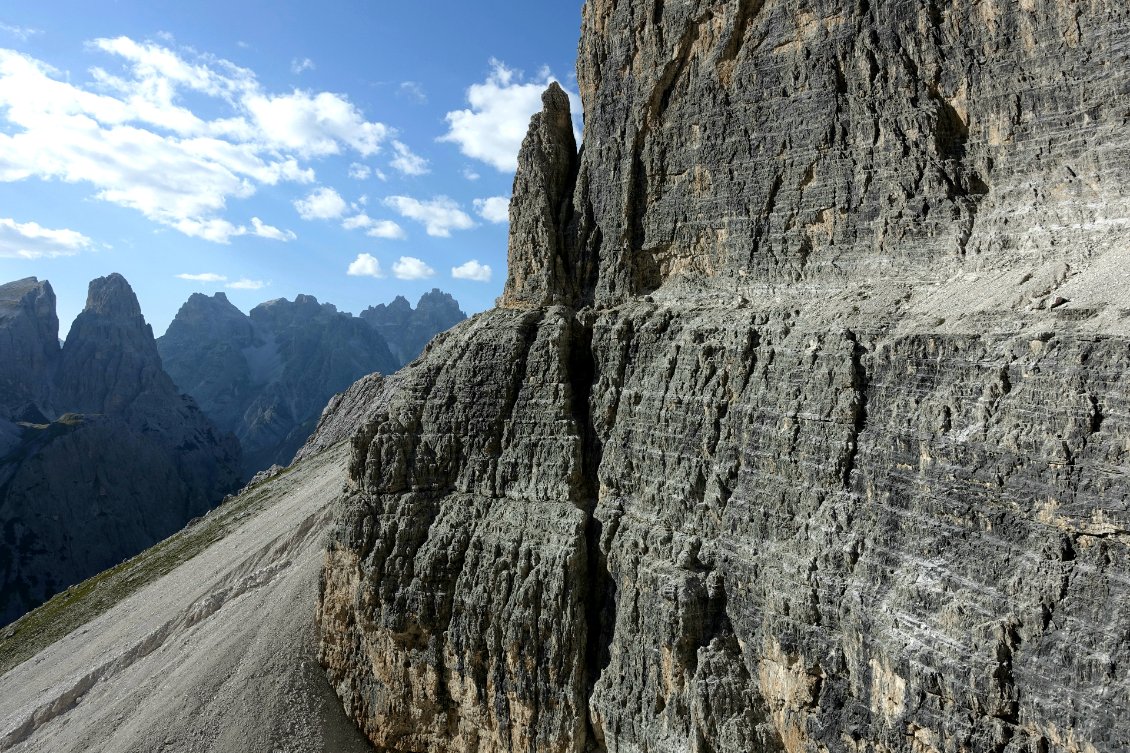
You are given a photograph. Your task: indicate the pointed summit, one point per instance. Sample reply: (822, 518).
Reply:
(110, 358)
(539, 267)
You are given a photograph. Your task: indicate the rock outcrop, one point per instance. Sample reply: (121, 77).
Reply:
(407, 330)
(29, 341)
(824, 445)
(104, 457)
(266, 377)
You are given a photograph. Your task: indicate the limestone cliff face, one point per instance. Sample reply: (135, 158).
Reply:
(809, 434)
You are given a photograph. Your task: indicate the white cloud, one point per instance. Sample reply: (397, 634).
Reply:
(358, 171)
(411, 268)
(472, 270)
(493, 128)
(263, 230)
(129, 133)
(439, 216)
(470, 174)
(30, 240)
(246, 284)
(298, 66)
(23, 33)
(322, 204)
(365, 265)
(407, 162)
(205, 277)
(494, 209)
(386, 229)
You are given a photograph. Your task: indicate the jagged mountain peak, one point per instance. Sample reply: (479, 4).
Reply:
(112, 296)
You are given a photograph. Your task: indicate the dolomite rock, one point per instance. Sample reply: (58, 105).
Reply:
(800, 465)
(540, 270)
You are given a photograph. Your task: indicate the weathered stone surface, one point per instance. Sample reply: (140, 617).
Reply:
(119, 461)
(266, 377)
(829, 450)
(407, 330)
(541, 271)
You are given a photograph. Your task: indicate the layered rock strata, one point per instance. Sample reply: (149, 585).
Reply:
(808, 435)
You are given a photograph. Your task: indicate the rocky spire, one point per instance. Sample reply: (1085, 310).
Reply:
(110, 357)
(540, 267)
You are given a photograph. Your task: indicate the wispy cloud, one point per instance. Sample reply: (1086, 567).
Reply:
(246, 284)
(407, 162)
(472, 270)
(203, 277)
(298, 66)
(492, 129)
(129, 134)
(23, 33)
(439, 216)
(30, 240)
(413, 92)
(358, 171)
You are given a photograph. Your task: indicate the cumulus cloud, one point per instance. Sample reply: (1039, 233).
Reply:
(494, 209)
(365, 265)
(407, 162)
(492, 129)
(411, 268)
(246, 284)
(299, 66)
(30, 240)
(472, 270)
(129, 133)
(263, 230)
(470, 174)
(386, 229)
(321, 204)
(439, 216)
(205, 277)
(358, 171)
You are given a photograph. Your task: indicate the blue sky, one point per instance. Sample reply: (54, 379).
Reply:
(352, 150)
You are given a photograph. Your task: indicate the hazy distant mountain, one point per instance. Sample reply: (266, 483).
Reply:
(266, 377)
(100, 455)
(408, 330)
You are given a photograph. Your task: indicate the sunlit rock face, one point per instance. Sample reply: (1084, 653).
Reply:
(806, 430)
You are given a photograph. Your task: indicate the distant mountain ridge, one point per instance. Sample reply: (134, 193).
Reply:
(100, 454)
(408, 330)
(266, 376)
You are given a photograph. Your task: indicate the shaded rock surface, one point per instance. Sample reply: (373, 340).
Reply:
(825, 446)
(407, 330)
(108, 459)
(266, 377)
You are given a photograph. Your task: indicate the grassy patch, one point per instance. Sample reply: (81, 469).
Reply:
(85, 601)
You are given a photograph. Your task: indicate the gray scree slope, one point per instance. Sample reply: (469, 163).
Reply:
(804, 426)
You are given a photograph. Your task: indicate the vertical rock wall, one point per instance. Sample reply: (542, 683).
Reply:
(827, 448)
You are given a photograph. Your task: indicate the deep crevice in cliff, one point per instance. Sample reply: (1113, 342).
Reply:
(600, 594)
